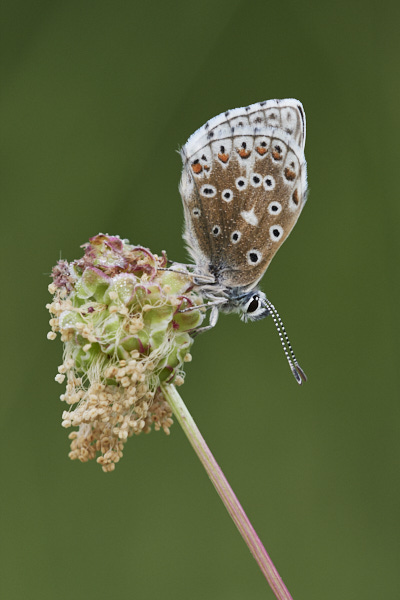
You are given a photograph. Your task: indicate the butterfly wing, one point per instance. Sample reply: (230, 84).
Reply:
(243, 186)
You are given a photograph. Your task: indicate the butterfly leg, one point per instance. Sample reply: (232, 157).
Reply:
(212, 323)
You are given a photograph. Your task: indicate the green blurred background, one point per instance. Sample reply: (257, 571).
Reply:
(96, 97)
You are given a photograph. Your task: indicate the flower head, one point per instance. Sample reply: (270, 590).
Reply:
(119, 313)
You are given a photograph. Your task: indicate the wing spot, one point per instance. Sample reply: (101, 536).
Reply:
(241, 183)
(253, 256)
(243, 153)
(277, 152)
(295, 197)
(255, 180)
(269, 183)
(250, 217)
(208, 190)
(196, 212)
(235, 237)
(216, 230)
(274, 208)
(196, 167)
(275, 233)
(227, 195)
(289, 174)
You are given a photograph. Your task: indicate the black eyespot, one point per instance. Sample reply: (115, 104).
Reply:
(241, 183)
(274, 208)
(254, 304)
(278, 149)
(222, 149)
(235, 237)
(256, 179)
(253, 257)
(275, 232)
(216, 230)
(269, 183)
(263, 144)
(227, 195)
(208, 190)
(244, 145)
(204, 157)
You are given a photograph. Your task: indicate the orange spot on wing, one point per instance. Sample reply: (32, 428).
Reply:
(244, 153)
(223, 157)
(206, 168)
(261, 150)
(276, 155)
(197, 168)
(295, 197)
(289, 174)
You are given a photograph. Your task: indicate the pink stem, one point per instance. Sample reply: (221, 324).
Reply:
(225, 492)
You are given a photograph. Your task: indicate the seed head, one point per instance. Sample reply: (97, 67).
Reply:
(118, 312)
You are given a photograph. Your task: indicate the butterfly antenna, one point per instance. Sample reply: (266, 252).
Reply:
(297, 371)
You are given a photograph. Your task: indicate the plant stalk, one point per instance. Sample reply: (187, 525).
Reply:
(225, 492)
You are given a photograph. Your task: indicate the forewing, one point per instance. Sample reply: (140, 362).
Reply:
(244, 184)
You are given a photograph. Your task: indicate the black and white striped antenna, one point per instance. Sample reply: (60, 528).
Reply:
(297, 371)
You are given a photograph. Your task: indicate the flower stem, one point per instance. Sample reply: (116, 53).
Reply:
(225, 492)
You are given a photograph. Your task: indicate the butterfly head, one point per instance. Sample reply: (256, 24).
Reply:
(251, 306)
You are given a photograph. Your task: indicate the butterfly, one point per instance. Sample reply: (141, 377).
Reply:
(243, 187)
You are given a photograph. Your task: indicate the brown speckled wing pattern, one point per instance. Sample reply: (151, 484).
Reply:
(243, 186)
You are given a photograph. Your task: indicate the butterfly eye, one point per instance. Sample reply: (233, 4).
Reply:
(241, 183)
(254, 304)
(274, 208)
(208, 190)
(235, 237)
(227, 195)
(254, 256)
(275, 233)
(269, 183)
